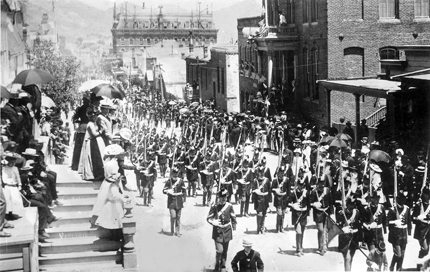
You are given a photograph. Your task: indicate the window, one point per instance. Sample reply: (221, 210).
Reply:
(314, 11)
(148, 41)
(122, 41)
(421, 8)
(290, 12)
(131, 41)
(388, 53)
(222, 81)
(389, 9)
(314, 75)
(141, 41)
(219, 78)
(307, 72)
(305, 11)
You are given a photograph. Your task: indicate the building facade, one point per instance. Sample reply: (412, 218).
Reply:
(135, 31)
(216, 78)
(324, 40)
(13, 39)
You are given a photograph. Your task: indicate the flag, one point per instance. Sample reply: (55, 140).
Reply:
(332, 229)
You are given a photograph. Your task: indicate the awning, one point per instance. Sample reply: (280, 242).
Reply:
(369, 87)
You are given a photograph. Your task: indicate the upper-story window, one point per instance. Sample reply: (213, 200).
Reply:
(135, 24)
(389, 9)
(290, 12)
(122, 41)
(131, 41)
(388, 53)
(305, 11)
(141, 41)
(421, 8)
(314, 11)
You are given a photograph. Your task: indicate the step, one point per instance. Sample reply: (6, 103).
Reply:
(79, 184)
(83, 267)
(75, 205)
(82, 244)
(76, 193)
(68, 218)
(81, 257)
(76, 231)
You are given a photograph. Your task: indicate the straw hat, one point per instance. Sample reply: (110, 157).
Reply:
(246, 243)
(30, 152)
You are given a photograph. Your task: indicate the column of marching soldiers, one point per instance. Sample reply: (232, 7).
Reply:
(222, 155)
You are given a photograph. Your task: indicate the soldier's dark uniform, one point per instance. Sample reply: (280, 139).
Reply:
(400, 225)
(375, 213)
(222, 234)
(349, 241)
(261, 189)
(321, 199)
(283, 177)
(175, 200)
(421, 219)
(299, 198)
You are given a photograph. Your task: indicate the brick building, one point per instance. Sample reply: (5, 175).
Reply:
(216, 78)
(325, 40)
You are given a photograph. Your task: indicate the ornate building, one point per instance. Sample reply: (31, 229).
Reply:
(149, 27)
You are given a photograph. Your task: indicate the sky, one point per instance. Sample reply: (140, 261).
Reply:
(186, 4)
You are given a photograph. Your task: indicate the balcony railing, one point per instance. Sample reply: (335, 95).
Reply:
(374, 118)
(278, 31)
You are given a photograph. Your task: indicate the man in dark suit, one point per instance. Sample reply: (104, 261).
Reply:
(247, 259)
(223, 219)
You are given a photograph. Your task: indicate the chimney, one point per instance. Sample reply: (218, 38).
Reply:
(114, 11)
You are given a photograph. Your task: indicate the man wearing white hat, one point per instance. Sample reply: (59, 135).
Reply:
(247, 259)
(104, 123)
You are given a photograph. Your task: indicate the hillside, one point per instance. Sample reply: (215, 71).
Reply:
(74, 19)
(226, 18)
(93, 19)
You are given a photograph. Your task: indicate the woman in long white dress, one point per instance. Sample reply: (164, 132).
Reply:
(12, 185)
(91, 162)
(111, 171)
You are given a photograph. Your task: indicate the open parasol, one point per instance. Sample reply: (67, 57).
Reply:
(344, 137)
(33, 76)
(89, 84)
(47, 102)
(172, 103)
(327, 139)
(184, 110)
(194, 104)
(379, 156)
(5, 93)
(108, 91)
(337, 142)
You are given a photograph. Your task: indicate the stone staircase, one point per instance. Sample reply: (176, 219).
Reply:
(73, 245)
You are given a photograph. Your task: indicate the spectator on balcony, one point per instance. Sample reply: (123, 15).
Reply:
(282, 19)
(349, 131)
(363, 130)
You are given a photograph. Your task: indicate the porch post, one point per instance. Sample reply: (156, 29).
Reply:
(269, 69)
(357, 117)
(328, 98)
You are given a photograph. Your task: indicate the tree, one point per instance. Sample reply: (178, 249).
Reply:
(65, 70)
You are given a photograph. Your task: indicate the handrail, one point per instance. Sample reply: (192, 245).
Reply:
(373, 119)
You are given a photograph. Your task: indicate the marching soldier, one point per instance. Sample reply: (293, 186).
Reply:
(223, 219)
(191, 171)
(226, 179)
(399, 222)
(261, 189)
(299, 199)
(162, 160)
(245, 179)
(175, 189)
(281, 187)
(350, 222)
(321, 200)
(421, 218)
(374, 222)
